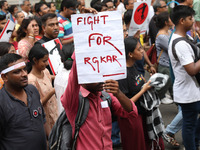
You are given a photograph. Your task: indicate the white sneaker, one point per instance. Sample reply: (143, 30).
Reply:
(168, 96)
(166, 100)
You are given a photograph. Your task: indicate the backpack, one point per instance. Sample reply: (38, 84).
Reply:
(60, 137)
(152, 55)
(195, 49)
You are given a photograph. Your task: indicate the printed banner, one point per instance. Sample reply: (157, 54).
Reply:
(7, 31)
(54, 47)
(139, 17)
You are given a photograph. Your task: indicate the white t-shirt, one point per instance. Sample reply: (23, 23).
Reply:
(27, 14)
(185, 88)
(121, 8)
(60, 84)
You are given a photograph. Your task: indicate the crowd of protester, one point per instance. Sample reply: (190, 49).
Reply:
(32, 98)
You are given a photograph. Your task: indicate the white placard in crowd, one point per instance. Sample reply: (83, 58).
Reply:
(7, 31)
(54, 47)
(99, 46)
(139, 17)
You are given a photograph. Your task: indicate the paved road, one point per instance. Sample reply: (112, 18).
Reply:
(168, 112)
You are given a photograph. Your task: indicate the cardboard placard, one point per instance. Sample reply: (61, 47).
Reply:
(139, 17)
(54, 47)
(99, 46)
(7, 31)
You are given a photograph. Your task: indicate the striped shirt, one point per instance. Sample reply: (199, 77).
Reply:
(65, 28)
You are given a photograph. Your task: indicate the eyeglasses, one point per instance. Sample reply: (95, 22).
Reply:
(163, 6)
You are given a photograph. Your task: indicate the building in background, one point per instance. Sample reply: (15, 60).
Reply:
(17, 2)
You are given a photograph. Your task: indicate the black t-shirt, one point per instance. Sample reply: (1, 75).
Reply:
(43, 40)
(21, 126)
(132, 85)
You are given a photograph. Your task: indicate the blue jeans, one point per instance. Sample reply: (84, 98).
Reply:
(176, 123)
(191, 125)
(115, 133)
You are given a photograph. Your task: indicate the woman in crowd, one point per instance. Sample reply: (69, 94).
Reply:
(5, 47)
(41, 78)
(26, 34)
(163, 22)
(133, 130)
(61, 79)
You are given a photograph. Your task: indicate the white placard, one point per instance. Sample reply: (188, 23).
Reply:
(54, 46)
(99, 46)
(139, 17)
(7, 31)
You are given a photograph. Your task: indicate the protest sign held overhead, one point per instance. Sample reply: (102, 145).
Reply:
(139, 17)
(7, 31)
(99, 46)
(54, 47)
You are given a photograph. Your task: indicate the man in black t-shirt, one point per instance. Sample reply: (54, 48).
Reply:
(159, 6)
(50, 28)
(22, 116)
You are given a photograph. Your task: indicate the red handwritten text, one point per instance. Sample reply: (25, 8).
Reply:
(100, 39)
(91, 20)
(102, 59)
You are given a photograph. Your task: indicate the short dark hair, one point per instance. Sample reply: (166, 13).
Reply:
(180, 1)
(106, 1)
(128, 16)
(68, 4)
(38, 6)
(49, 4)
(115, 3)
(67, 52)
(98, 6)
(2, 17)
(180, 11)
(12, 8)
(94, 2)
(45, 17)
(130, 44)
(161, 19)
(7, 59)
(125, 2)
(4, 48)
(2, 3)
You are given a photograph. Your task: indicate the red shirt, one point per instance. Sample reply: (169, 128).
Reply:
(95, 133)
